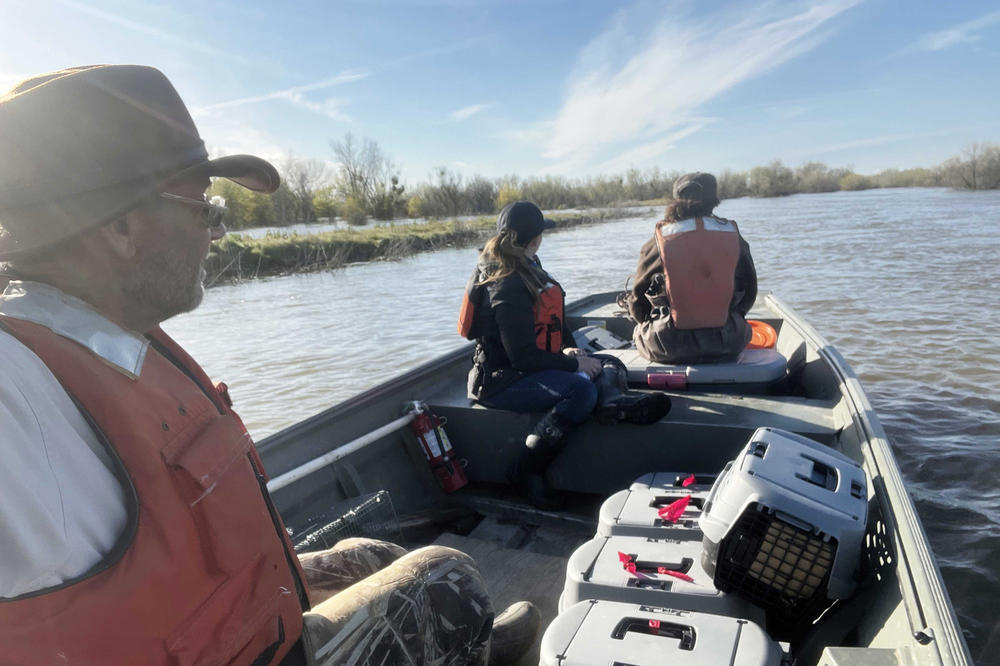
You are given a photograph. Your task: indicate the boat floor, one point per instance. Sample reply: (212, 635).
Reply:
(521, 562)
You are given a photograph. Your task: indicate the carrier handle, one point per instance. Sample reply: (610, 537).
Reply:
(644, 566)
(820, 474)
(639, 625)
(699, 479)
(660, 501)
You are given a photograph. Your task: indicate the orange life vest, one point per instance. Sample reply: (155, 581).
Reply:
(549, 319)
(548, 314)
(205, 573)
(470, 301)
(699, 259)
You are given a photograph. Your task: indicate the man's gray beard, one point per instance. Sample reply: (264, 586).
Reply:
(159, 284)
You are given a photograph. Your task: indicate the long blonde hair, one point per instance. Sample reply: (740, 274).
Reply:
(502, 256)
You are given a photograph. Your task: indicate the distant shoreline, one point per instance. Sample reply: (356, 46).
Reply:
(239, 257)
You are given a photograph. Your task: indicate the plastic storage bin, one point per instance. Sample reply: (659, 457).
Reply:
(595, 571)
(603, 633)
(635, 512)
(784, 525)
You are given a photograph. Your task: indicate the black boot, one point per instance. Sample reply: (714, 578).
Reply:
(541, 447)
(616, 403)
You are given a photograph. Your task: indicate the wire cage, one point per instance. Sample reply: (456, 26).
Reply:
(779, 566)
(372, 516)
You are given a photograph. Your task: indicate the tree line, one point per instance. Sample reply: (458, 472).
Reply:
(365, 184)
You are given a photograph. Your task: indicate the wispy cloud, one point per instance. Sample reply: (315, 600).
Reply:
(637, 87)
(146, 29)
(870, 141)
(333, 107)
(467, 112)
(471, 42)
(646, 152)
(232, 136)
(963, 33)
(330, 107)
(897, 137)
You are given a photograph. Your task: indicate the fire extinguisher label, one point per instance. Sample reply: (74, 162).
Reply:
(433, 445)
(445, 444)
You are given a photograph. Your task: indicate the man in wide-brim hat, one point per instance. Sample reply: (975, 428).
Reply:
(135, 524)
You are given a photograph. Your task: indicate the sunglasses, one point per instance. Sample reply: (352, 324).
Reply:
(213, 211)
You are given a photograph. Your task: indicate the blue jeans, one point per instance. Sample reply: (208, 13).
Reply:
(572, 395)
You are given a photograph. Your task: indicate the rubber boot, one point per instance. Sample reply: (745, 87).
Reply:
(541, 447)
(514, 632)
(616, 403)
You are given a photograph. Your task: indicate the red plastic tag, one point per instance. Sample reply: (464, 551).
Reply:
(674, 510)
(675, 574)
(627, 562)
(688, 481)
(654, 624)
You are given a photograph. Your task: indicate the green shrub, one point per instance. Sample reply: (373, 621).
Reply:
(352, 210)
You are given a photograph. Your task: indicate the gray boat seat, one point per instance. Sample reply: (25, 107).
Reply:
(752, 366)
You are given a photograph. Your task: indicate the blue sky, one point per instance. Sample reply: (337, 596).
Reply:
(569, 88)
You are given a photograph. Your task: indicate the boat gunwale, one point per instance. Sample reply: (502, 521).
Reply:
(897, 502)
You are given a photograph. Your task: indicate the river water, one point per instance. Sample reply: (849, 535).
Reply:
(903, 282)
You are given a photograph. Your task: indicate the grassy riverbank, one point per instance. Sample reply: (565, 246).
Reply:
(238, 257)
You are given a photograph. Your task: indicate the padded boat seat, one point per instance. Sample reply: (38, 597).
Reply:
(752, 366)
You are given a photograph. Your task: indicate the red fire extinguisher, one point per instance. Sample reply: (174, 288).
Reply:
(437, 449)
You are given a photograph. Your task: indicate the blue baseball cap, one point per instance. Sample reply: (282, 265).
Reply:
(525, 219)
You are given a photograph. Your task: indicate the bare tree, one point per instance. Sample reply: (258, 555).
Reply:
(480, 195)
(365, 173)
(970, 167)
(445, 191)
(304, 177)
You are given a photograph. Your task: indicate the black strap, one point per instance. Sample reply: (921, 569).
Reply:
(265, 657)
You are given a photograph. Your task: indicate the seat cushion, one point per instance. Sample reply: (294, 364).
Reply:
(752, 366)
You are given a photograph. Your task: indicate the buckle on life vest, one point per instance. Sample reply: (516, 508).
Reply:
(223, 390)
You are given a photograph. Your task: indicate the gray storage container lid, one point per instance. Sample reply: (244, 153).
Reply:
(598, 633)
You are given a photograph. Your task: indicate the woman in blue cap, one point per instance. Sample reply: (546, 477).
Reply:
(525, 360)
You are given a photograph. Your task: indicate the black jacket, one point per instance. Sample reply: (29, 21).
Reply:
(506, 349)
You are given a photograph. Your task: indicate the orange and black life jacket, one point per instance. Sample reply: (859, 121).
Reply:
(549, 318)
(205, 572)
(699, 259)
(548, 313)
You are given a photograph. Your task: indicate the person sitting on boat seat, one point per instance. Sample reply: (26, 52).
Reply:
(135, 522)
(694, 283)
(524, 359)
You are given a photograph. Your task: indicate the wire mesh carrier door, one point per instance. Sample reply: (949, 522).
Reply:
(372, 516)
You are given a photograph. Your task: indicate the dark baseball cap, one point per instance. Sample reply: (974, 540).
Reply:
(697, 186)
(83, 145)
(525, 219)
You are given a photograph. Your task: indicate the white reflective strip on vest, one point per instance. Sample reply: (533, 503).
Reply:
(682, 226)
